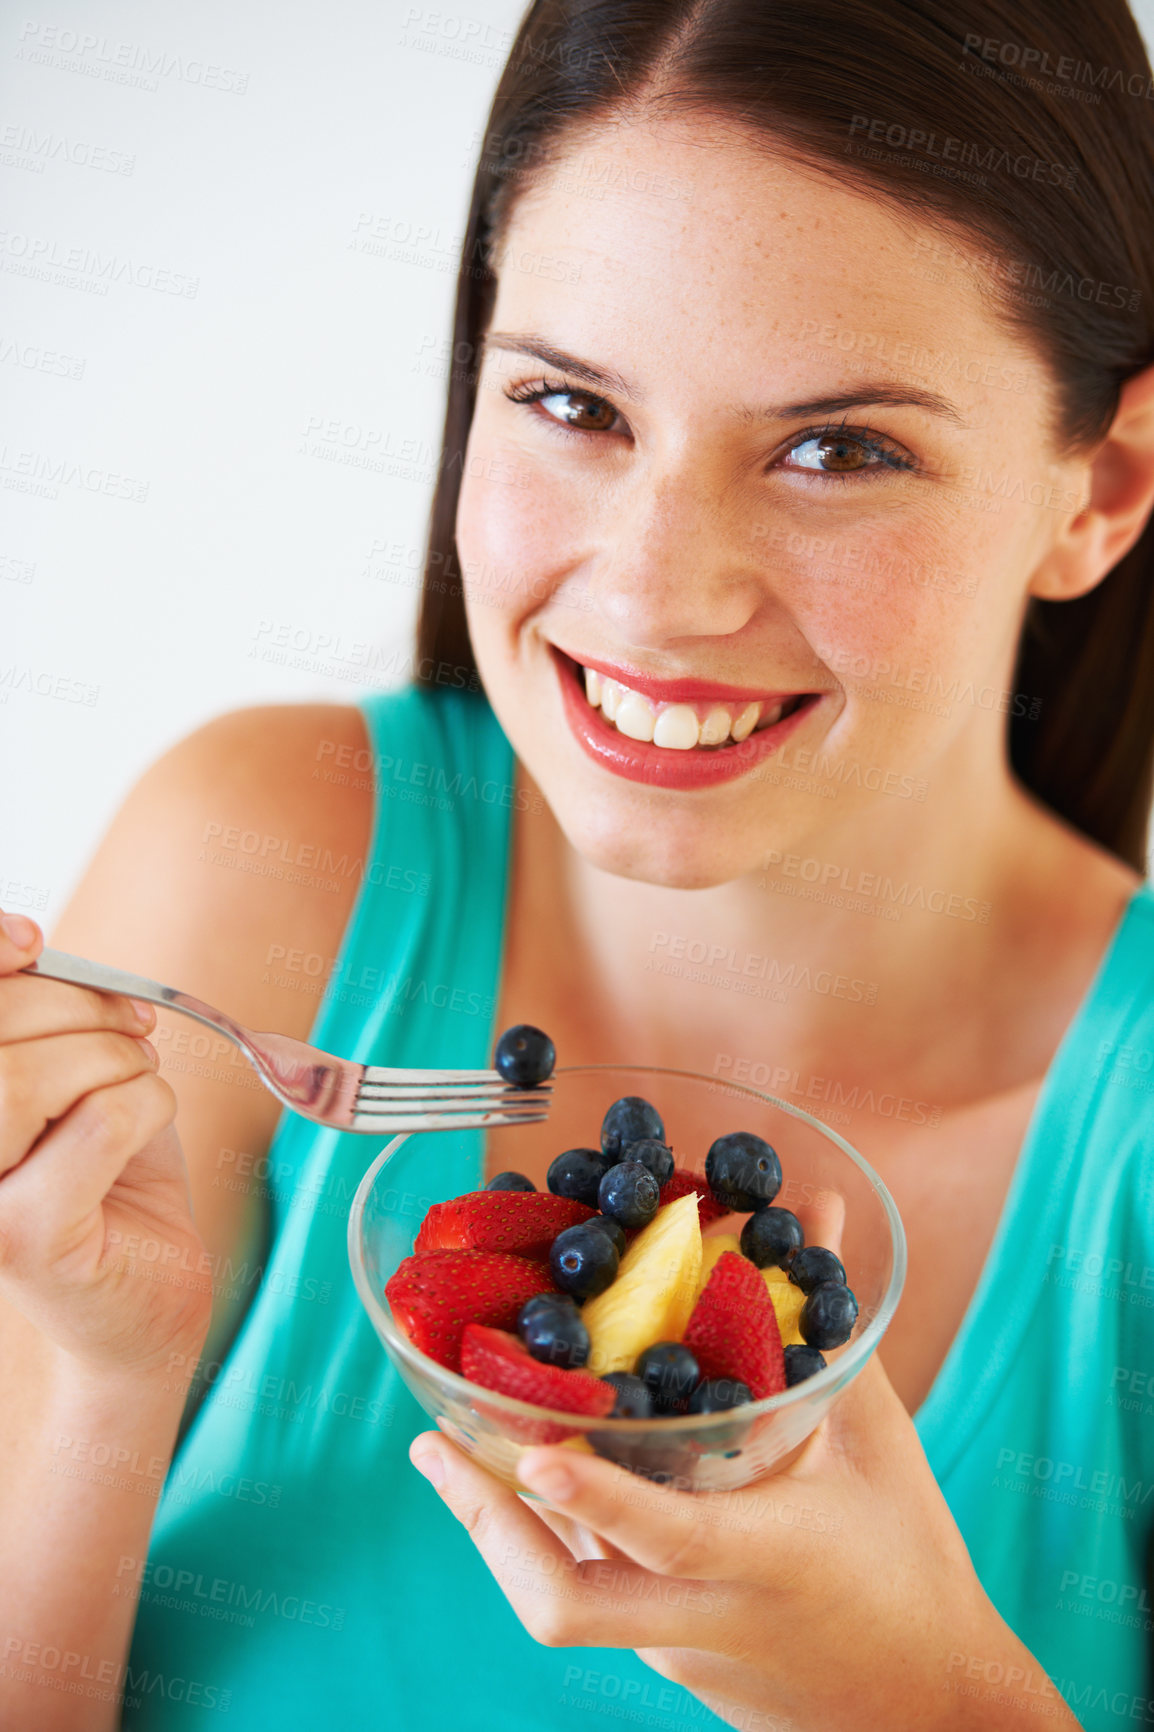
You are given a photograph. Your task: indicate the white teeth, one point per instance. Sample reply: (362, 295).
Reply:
(744, 723)
(715, 727)
(635, 716)
(676, 728)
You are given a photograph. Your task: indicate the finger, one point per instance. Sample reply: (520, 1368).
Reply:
(493, 1515)
(561, 1600)
(31, 1005)
(581, 1541)
(866, 1442)
(823, 1220)
(21, 941)
(50, 1203)
(41, 1080)
(867, 1427)
(699, 1535)
(158, 1174)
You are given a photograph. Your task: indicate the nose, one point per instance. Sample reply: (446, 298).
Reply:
(668, 565)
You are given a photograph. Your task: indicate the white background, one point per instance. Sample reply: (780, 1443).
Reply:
(252, 169)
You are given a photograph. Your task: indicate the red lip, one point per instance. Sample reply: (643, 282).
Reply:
(680, 691)
(656, 766)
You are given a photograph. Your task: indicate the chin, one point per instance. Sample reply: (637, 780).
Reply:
(652, 853)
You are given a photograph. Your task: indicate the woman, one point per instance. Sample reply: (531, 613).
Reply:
(805, 404)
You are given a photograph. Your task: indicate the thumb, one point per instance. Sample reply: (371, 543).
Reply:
(822, 1218)
(867, 1433)
(869, 1407)
(21, 941)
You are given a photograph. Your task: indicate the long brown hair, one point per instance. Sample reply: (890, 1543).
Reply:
(1055, 99)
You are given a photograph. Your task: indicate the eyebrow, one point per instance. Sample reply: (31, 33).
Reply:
(888, 393)
(554, 357)
(894, 394)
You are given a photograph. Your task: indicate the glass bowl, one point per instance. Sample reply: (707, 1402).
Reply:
(822, 1175)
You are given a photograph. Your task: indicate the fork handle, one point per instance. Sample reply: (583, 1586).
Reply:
(79, 971)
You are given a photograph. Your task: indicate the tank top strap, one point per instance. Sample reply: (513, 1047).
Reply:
(414, 982)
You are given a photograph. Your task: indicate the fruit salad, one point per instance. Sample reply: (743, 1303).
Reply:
(599, 1297)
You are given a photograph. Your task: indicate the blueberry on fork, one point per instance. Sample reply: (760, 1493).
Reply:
(524, 1056)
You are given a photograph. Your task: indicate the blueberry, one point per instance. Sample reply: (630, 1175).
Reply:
(627, 1121)
(652, 1153)
(524, 1056)
(606, 1224)
(544, 1302)
(577, 1174)
(743, 1172)
(510, 1182)
(670, 1373)
(718, 1395)
(555, 1334)
(633, 1398)
(802, 1362)
(629, 1193)
(770, 1237)
(664, 1460)
(583, 1261)
(813, 1265)
(828, 1315)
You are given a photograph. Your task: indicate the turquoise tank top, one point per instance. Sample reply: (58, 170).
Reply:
(302, 1575)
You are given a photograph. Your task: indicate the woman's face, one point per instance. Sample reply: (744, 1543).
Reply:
(744, 450)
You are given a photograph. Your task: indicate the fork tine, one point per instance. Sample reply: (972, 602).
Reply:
(454, 1093)
(375, 1123)
(389, 1099)
(389, 1074)
(512, 1113)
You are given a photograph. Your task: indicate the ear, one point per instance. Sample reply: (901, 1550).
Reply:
(1117, 487)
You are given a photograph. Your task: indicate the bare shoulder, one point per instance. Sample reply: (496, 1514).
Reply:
(232, 845)
(1064, 904)
(1091, 885)
(230, 871)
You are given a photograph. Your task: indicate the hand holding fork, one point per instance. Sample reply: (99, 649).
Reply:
(90, 1164)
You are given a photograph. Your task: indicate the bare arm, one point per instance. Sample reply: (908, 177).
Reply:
(94, 1357)
(171, 893)
(85, 1458)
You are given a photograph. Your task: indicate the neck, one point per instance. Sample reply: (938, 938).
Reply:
(847, 952)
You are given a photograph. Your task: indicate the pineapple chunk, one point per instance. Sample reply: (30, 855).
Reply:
(654, 1292)
(711, 1250)
(787, 1302)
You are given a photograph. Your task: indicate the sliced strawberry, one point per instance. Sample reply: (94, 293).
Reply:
(524, 1223)
(732, 1330)
(708, 1207)
(499, 1361)
(434, 1294)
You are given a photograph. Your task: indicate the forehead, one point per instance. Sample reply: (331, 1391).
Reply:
(687, 237)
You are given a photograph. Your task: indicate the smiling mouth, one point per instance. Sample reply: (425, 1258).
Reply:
(682, 725)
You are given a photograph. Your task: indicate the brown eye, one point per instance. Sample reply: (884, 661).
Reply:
(580, 410)
(840, 454)
(844, 451)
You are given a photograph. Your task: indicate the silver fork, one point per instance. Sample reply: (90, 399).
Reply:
(337, 1092)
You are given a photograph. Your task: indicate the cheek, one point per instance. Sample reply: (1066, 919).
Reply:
(918, 626)
(940, 596)
(517, 533)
